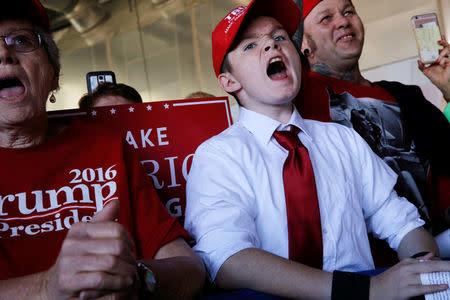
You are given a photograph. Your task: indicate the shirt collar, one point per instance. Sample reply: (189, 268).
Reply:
(263, 127)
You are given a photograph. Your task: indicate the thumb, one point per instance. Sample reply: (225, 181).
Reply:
(109, 213)
(421, 65)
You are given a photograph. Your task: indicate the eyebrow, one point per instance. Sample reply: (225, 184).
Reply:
(327, 11)
(244, 37)
(349, 4)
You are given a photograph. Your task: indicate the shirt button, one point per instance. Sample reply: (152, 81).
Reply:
(324, 231)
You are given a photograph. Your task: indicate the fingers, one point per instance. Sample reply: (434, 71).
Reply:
(421, 65)
(424, 264)
(106, 295)
(402, 281)
(77, 247)
(94, 272)
(431, 266)
(443, 41)
(97, 285)
(87, 271)
(104, 230)
(98, 263)
(96, 281)
(427, 289)
(92, 294)
(412, 268)
(114, 256)
(444, 54)
(109, 213)
(428, 256)
(97, 256)
(444, 61)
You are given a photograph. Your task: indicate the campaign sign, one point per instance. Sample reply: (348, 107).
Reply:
(165, 135)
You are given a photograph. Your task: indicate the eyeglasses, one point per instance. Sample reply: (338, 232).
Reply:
(22, 40)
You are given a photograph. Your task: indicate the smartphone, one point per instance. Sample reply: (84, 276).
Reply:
(427, 33)
(94, 79)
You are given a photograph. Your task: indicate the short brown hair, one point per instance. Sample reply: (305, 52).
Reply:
(199, 94)
(110, 89)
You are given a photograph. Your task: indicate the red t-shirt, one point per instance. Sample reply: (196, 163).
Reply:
(314, 101)
(46, 188)
(370, 110)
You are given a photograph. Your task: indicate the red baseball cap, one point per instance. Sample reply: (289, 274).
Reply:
(308, 5)
(30, 10)
(284, 11)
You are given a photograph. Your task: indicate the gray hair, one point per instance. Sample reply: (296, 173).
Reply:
(50, 47)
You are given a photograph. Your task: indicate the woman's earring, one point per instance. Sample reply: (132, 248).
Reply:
(306, 52)
(52, 98)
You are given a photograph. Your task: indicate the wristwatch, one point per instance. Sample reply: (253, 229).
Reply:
(146, 277)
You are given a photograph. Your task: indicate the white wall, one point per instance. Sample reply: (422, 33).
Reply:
(390, 51)
(390, 38)
(444, 6)
(406, 71)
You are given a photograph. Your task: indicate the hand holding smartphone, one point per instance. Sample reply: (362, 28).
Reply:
(94, 79)
(427, 33)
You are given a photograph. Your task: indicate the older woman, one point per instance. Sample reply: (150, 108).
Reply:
(54, 179)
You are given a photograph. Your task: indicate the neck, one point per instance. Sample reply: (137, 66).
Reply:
(348, 73)
(23, 136)
(282, 111)
(282, 114)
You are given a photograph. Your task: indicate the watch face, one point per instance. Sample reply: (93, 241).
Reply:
(147, 277)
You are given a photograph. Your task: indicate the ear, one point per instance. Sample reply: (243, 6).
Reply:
(55, 83)
(228, 82)
(306, 47)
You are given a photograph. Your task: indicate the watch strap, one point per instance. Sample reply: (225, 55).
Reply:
(146, 277)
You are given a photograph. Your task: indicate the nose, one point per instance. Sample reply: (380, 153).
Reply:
(342, 21)
(272, 44)
(7, 55)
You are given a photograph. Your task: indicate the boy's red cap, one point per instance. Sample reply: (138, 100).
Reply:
(31, 10)
(308, 5)
(284, 11)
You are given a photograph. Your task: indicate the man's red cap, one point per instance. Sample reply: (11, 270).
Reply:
(284, 11)
(30, 10)
(308, 5)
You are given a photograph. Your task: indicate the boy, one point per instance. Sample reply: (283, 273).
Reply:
(251, 229)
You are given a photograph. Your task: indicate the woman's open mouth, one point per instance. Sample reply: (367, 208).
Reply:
(11, 88)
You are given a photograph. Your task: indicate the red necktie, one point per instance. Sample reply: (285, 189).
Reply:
(302, 205)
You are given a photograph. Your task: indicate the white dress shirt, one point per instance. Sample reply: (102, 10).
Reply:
(235, 193)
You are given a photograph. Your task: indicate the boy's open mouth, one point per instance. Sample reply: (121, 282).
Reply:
(11, 88)
(276, 68)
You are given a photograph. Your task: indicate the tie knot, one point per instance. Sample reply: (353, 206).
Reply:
(288, 139)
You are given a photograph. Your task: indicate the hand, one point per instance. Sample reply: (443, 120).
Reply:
(96, 259)
(439, 72)
(402, 281)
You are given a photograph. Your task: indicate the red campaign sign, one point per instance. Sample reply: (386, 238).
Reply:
(165, 134)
